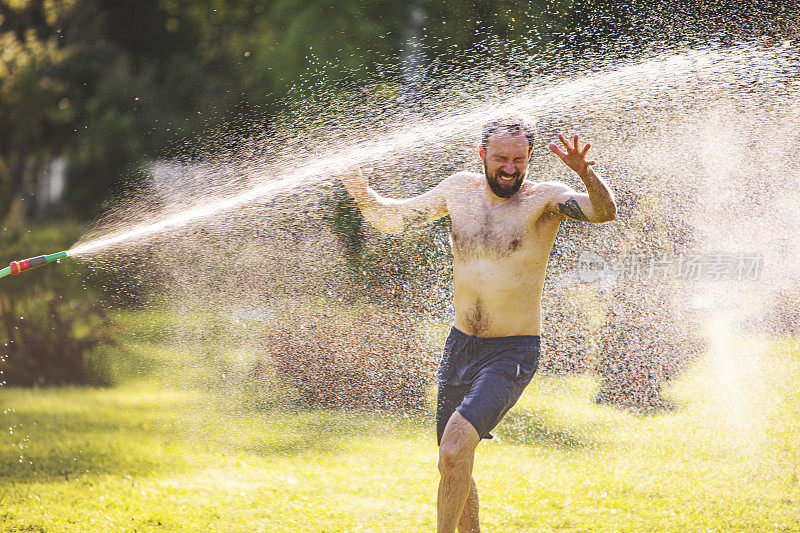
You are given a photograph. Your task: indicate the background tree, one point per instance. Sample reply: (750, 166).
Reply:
(34, 109)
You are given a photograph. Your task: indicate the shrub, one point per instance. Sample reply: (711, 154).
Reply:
(647, 339)
(568, 332)
(49, 342)
(368, 357)
(781, 314)
(649, 334)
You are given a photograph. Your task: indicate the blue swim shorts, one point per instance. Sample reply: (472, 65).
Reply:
(482, 378)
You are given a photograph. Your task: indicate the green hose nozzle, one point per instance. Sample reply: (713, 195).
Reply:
(32, 262)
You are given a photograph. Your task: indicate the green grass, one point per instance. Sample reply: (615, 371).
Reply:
(165, 451)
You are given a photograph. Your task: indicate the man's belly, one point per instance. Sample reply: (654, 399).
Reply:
(497, 300)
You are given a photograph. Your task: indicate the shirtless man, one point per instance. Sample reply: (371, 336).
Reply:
(503, 228)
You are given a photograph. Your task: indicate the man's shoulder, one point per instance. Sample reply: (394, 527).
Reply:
(536, 194)
(461, 181)
(464, 177)
(549, 186)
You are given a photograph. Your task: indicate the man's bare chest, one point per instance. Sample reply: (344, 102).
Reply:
(481, 234)
(512, 230)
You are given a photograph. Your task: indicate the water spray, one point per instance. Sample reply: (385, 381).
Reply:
(15, 267)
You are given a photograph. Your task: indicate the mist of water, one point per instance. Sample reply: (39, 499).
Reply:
(707, 135)
(650, 96)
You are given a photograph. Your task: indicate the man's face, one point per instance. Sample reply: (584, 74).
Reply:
(505, 162)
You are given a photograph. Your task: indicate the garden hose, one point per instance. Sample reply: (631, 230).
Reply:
(32, 262)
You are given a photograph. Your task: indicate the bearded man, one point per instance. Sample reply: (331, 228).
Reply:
(503, 228)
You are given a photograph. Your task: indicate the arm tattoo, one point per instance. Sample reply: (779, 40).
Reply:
(417, 217)
(572, 210)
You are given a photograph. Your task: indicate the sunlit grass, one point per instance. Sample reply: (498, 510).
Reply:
(164, 452)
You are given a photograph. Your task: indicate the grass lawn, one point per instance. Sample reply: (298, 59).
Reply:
(161, 453)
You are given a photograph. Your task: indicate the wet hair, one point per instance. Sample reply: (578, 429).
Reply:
(512, 125)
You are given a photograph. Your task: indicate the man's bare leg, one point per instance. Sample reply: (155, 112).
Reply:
(456, 456)
(469, 522)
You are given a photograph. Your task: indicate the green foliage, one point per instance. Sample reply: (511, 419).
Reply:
(18, 241)
(112, 85)
(34, 109)
(50, 343)
(495, 30)
(50, 322)
(293, 42)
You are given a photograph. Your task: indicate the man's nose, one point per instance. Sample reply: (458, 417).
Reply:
(509, 168)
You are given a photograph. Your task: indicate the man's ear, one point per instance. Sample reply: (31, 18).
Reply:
(481, 153)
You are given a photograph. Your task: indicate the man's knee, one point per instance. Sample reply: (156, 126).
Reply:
(453, 458)
(457, 449)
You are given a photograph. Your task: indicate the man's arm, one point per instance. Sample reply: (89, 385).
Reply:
(598, 205)
(390, 215)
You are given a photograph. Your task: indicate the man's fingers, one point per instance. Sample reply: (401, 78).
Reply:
(585, 149)
(589, 163)
(355, 171)
(576, 147)
(564, 141)
(556, 150)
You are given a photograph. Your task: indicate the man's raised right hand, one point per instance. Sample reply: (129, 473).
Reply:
(355, 180)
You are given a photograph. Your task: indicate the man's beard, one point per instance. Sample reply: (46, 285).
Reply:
(502, 190)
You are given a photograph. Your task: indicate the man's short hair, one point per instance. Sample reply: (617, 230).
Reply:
(512, 125)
